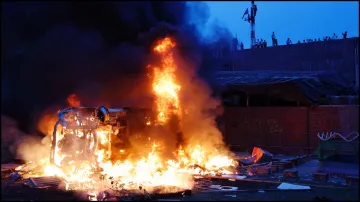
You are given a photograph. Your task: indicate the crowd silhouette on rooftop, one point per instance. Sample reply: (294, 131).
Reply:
(261, 43)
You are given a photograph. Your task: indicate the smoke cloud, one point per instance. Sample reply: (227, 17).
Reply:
(19, 145)
(98, 51)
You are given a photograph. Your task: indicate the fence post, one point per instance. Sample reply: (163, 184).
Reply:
(308, 130)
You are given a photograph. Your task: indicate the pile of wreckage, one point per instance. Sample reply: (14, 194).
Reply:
(261, 167)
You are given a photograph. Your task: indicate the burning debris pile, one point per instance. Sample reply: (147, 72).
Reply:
(93, 149)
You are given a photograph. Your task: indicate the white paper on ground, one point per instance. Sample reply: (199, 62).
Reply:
(215, 186)
(228, 188)
(285, 186)
(234, 176)
(223, 188)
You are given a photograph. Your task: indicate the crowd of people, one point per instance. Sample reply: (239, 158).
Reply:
(261, 43)
(325, 38)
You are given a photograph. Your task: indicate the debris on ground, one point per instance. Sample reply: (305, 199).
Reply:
(352, 180)
(321, 199)
(263, 170)
(288, 186)
(258, 156)
(15, 176)
(43, 182)
(235, 177)
(5, 173)
(291, 174)
(323, 177)
(223, 188)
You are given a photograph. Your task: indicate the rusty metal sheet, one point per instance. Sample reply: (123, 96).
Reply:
(266, 126)
(39, 182)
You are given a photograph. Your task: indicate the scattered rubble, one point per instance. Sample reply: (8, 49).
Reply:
(223, 188)
(5, 173)
(288, 186)
(324, 177)
(43, 182)
(258, 156)
(275, 171)
(352, 180)
(15, 176)
(291, 174)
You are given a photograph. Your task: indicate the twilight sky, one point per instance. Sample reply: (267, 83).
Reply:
(297, 20)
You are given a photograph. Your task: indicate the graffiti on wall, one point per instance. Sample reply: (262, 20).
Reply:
(259, 125)
(324, 136)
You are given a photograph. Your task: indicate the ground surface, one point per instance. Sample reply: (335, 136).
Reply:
(16, 191)
(251, 189)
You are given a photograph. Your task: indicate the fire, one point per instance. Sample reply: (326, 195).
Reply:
(82, 156)
(164, 82)
(73, 100)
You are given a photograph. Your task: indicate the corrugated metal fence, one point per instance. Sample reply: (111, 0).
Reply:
(288, 130)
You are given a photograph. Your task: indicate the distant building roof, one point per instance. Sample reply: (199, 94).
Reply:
(312, 83)
(264, 77)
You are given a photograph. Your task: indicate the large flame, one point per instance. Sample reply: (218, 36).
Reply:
(149, 169)
(164, 83)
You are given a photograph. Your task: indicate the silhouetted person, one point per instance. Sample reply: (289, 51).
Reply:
(255, 9)
(235, 44)
(334, 36)
(265, 43)
(241, 46)
(344, 35)
(288, 41)
(299, 42)
(258, 43)
(304, 41)
(273, 37)
(315, 40)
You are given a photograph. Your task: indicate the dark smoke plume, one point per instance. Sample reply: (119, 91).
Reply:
(98, 50)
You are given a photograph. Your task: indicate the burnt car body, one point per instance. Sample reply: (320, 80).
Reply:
(79, 128)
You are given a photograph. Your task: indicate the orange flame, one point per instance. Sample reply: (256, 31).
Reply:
(164, 82)
(149, 169)
(73, 100)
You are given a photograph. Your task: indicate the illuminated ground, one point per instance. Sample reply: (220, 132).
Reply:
(248, 192)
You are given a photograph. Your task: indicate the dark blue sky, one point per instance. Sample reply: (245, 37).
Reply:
(297, 20)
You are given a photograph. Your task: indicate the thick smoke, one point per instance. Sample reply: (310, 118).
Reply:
(19, 145)
(97, 50)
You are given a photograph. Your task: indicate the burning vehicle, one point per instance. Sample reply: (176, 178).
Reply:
(85, 130)
(98, 148)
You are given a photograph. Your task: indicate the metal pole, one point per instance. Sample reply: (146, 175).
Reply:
(53, 145)
(247, 99)
(109, 148)
(357, 66)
